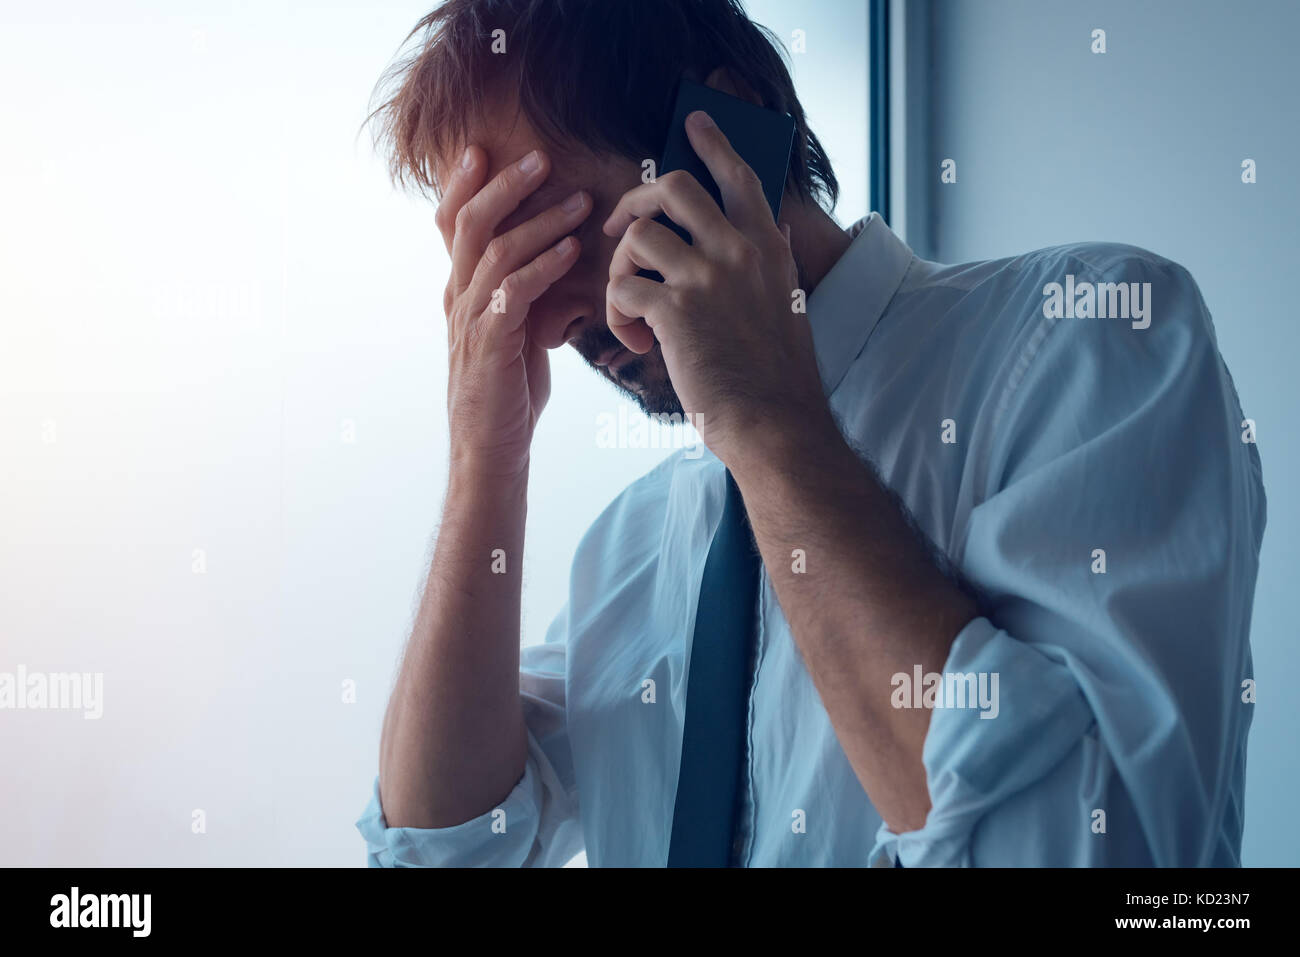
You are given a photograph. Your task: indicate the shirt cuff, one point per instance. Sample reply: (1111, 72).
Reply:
(501, 837)
(979, 755)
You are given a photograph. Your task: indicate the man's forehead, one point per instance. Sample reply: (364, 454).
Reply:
(568, 163)
(546, 195)
(504, 148)
(502, 129)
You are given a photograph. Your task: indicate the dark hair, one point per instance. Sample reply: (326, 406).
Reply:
(601, 73)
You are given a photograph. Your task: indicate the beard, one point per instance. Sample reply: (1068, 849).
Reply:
(643, 379)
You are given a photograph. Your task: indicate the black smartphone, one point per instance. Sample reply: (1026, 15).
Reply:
(762, 137)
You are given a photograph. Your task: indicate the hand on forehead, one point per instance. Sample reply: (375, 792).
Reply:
(503, 147)
(503, 136)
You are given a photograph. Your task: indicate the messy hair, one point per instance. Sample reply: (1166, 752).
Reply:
(599, 73)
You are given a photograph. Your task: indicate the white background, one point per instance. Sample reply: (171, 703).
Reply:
(203, 272)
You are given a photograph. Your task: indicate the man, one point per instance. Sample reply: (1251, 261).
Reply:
(1057, 430)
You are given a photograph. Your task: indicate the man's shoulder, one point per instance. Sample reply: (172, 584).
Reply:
(1069, 341)
(1086, 261)
(1084, 293)
(1086, 330)
(1097, 256)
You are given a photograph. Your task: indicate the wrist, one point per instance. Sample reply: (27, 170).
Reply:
(791, 446)
(473, 477)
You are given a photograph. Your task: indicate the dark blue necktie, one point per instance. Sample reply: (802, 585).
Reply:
(713, 741)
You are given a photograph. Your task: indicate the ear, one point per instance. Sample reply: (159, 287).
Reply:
(726, 81)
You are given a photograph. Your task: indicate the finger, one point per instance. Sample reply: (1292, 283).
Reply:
(645, 245)
(631, 304)
(741, 189)
(509, 251)
(681, 197)
(462, 183)
(519, 290)
(650, 245)
(476, 221)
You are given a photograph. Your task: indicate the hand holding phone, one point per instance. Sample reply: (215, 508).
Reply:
(761, 136)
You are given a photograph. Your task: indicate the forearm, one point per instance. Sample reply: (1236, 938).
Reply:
(866, 602)
(454, 742)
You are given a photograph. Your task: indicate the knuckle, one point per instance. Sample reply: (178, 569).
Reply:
(676, 180)
(443, 218)
(497, 251)
(710, 277)
(464, 218)
(678, 301)
(506, 184)
(744, 174)
(741, 253)
(748, 254)
(639, 229)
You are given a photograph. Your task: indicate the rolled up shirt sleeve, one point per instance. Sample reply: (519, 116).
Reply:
(1116, 535)
(537, 825)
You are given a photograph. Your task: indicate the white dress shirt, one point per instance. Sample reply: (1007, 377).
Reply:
(1092, 475)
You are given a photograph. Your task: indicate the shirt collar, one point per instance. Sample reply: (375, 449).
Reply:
(851, 298)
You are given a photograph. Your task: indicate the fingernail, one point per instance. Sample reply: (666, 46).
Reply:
(467, 160)
(700, 119)
(564, 245)
(573, 203)
(530, 163)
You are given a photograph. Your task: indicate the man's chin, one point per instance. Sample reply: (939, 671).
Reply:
(645, 381)
(658, 405)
